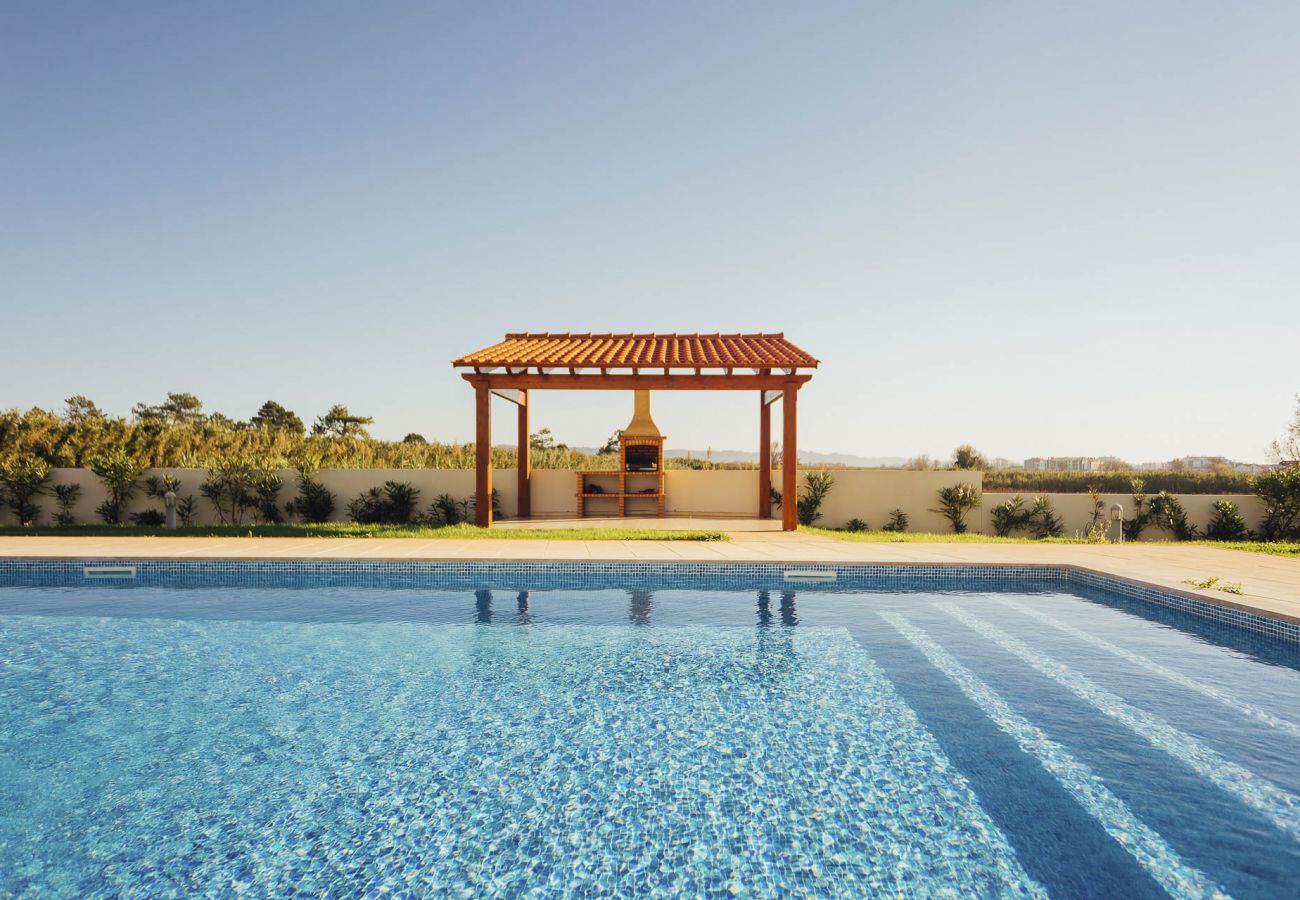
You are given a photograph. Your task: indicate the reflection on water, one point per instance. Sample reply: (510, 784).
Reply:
(524, 601)
(642, 602)
(483, 603)
(640, 608)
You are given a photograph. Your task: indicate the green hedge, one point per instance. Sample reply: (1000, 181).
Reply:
(1022, 481)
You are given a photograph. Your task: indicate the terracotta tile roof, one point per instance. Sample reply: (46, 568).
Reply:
(642, 350)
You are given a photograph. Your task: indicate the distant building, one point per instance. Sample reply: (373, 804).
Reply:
(1206, 464)
(1068, 463)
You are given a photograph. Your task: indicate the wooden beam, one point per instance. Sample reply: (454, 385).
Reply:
(764, 458)
(482, 453)
(790, 458)
(525, 462)
(502, 382)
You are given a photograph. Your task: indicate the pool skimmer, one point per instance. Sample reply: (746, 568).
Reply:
(808, 575)
(100, 572)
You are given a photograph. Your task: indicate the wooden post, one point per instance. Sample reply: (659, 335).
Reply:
(790, 458)
(525, 460)
(482, 455)
(764, 457)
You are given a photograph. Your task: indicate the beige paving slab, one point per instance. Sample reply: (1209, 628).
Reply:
(1270, 584)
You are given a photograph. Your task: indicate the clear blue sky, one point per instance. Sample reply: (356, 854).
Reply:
(1039, 228)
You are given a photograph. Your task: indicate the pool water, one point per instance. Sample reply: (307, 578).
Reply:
(802, 740)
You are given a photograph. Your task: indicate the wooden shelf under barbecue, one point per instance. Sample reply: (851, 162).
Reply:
(622, 495)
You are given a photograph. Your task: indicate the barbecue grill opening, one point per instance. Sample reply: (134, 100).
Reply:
(642, 457)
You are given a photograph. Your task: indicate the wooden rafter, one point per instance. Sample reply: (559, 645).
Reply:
(504, 382)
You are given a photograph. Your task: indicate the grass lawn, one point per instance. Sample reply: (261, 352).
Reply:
(1273, 548)
(929, 537)
(349, 530)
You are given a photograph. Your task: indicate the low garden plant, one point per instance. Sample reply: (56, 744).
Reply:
(955, 503)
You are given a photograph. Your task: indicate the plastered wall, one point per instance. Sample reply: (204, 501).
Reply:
(867, 494)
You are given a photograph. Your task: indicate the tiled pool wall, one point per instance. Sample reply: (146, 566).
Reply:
(590, 576)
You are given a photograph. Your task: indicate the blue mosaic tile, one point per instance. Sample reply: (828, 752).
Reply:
(159, 758)
(532, 575)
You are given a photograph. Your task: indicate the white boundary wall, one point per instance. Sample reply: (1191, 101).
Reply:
(867, 494)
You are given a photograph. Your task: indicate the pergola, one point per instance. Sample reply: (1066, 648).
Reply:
(767, 364)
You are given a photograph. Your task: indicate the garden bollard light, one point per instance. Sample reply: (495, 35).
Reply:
(1117, 520)
(169, 501)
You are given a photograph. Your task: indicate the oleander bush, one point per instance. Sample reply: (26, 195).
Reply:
(120, 473)
(955, 503)
(1279, 493)
(22, 480)
(1039, 519)
(1227, 523)
(1010, 516)
(1133, 527)
(816, 488)
(1166, 511)
(1043, 520)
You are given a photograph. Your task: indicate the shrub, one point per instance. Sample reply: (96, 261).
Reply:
(898, 521)
(231, 488)
(1279, 494)
(401, 502)
(267, 488)
(23, 479)
(66, 496)
(366, 508)
(150, 518)
(446, 510)
(157, 489)
(816, 487)
(955, 502)
(315, 502)
(1167, 512)
(1227, 523)
(1097, 516)
(393, 504)
(1010, 516)
(120, 472)
(1043, 520)
(1096, 533)
(856, 524)
(1134, 527)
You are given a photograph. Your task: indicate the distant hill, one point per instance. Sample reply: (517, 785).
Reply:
(806, 457)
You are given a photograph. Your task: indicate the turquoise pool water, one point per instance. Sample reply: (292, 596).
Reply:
(598, 741)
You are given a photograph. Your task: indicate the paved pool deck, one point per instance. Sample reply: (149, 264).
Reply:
(1270, 584)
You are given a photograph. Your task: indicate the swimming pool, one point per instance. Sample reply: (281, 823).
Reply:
(281, 728)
